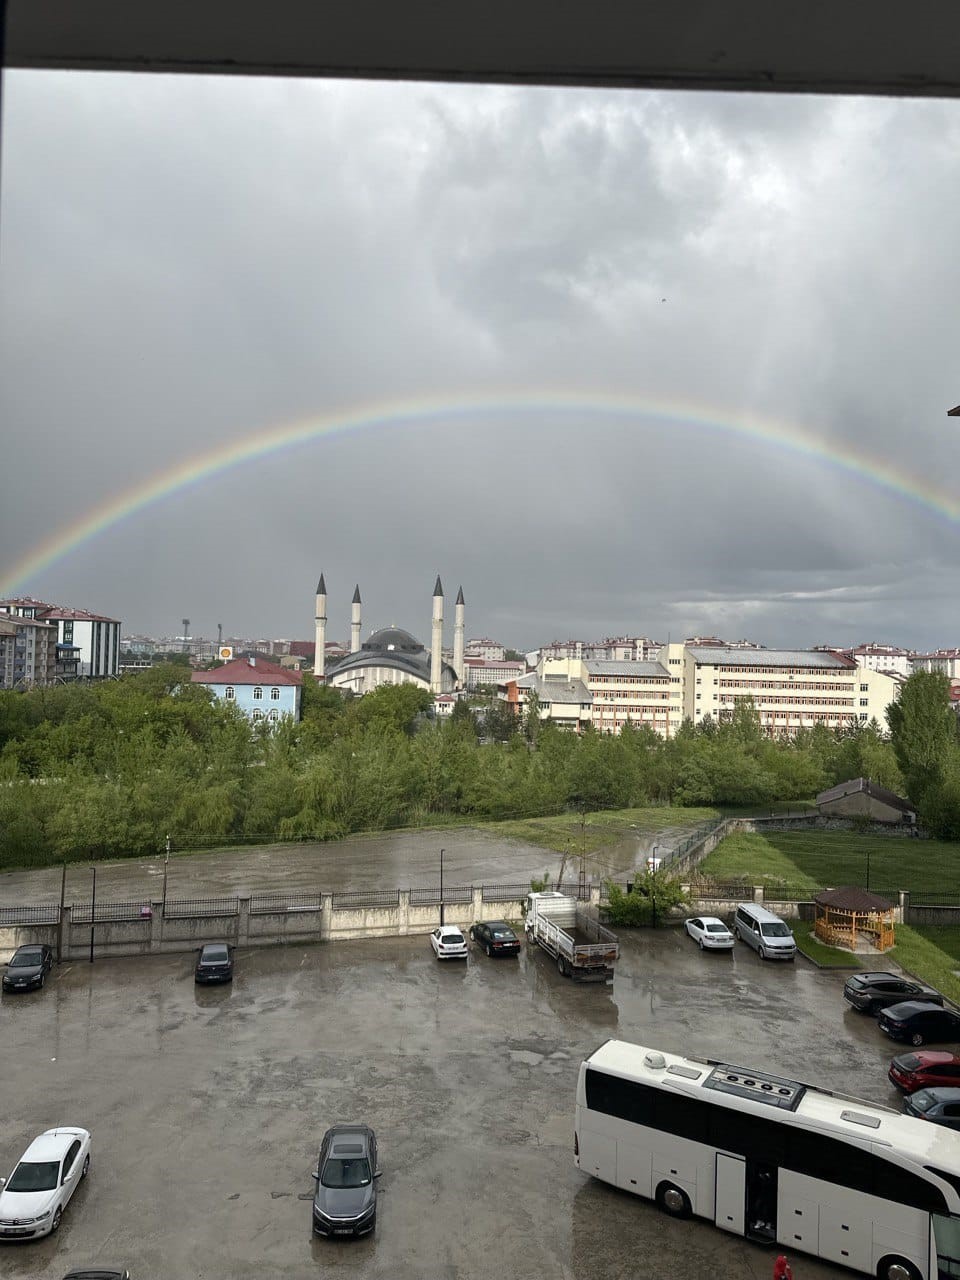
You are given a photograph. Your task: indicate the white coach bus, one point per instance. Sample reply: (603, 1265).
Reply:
(774, 1160)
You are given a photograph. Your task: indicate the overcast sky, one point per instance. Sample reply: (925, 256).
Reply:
(188, 262)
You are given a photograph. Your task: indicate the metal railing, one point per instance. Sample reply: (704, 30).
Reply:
(453, 894)
(30, 915)
(360, 898)
(178, 908)
(505, 892)
(265, 903)
(107, 911)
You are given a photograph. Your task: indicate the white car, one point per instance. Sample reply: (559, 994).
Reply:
(449, 943)
(708, 931)
(33, 1198)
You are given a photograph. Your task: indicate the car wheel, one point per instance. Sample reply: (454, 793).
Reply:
(487, 948)
(561, 966)
(43, 978)
(674, 1201)
(55, 1224)
(894, 1268)
(86, 1167)
(736, 934)
(916, 1038)
(761, 953)
(700, 943)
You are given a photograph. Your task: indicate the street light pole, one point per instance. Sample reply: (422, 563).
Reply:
(166, 861)
(441, 887)
(93, 910)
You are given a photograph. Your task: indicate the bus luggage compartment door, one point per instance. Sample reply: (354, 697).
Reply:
(730, 1210)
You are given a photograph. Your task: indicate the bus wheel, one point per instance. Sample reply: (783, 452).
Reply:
(893, 1268)
(677, 1203)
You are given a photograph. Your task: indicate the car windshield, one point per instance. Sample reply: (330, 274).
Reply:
(776, 930)
(29, 1176)
(716, 928)
(25, 959)
(345, 1173)
(215, 955)
(909, 1062)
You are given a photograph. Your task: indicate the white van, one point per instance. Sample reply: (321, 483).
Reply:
(769, 936)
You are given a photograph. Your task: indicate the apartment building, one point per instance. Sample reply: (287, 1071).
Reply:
(944, 661)
(790, 689)
(28, 652)
(93, 638)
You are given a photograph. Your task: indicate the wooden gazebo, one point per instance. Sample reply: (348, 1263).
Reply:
(844, 914)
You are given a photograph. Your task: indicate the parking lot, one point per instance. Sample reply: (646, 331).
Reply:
(206, 1105)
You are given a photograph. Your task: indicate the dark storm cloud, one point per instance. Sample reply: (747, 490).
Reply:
(186, 262)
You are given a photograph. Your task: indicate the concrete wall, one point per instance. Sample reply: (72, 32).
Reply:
(246, 928)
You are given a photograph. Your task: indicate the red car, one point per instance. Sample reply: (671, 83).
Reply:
(925, 1069)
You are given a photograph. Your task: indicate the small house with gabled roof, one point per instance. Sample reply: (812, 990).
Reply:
(263, 690)
(859, 797)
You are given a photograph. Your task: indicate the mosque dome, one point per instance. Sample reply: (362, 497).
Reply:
(392, 640)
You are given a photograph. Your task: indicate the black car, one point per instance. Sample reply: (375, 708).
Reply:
(214, 964)
(345, 1202)
(28, 967)
(871, 992)
(918, 1022)
(941, 1106)
(496, 937)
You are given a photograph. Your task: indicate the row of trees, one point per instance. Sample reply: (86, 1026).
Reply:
(96, 770)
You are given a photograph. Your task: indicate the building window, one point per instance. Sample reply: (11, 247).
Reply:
(864, 688)
(257, 694)
(274, 713)
(275, 694)
(258, 714)
(229, 693)
(864, 702)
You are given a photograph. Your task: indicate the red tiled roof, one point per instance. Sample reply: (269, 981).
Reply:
(242, 671)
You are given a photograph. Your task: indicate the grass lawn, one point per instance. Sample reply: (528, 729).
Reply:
(826, 957)
(821, 859)
(600, 829)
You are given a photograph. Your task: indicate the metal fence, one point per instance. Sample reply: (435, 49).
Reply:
(266, 903)
(452, 894)
(178, 908)
(356, 900)
(80, 912)
(505, 892)
(30, 915)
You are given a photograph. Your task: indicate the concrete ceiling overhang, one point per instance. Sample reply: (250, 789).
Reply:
(798, 46)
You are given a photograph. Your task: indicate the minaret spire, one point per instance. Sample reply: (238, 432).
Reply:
(436, 646)
(355, 621)
(458, 637)
(320, 654)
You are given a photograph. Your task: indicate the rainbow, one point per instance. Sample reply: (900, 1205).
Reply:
(395, 415)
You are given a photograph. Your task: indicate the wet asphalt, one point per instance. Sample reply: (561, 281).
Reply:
(207, 1105)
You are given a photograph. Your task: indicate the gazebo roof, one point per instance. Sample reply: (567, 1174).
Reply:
(852, 898)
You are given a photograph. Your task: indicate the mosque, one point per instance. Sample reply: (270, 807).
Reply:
(391, 656)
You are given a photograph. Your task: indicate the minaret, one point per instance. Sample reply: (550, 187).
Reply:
(436, 646)
(458, 637)
(320, 656)
(355, 621)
